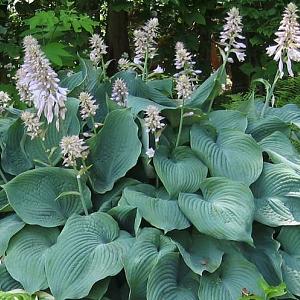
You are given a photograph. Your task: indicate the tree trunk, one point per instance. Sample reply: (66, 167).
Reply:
(116, 35)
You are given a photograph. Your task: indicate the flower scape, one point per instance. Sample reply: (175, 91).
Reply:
(137, 186)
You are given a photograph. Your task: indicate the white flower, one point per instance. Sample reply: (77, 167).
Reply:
(38, 83)
(183, 58)
(144, 41)
(88, 107)
(32, 124)
(231, 35)
(123, 63)
(159, 70)
(150, 152)
(287, 48)
(184, 87)
(153, 119)
(98, 49)
(120, 92)
(4, 101)
(73, 148)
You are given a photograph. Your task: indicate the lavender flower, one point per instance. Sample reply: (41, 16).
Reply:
(73, 148)
(32, 124)
(144, 41)
(159, 70)
(153, 119)
(38, 83)
(232, 34)
(4, 101)
(120, 92)
(287, 48)
(98, 49)
(123, 63)
(88, 107)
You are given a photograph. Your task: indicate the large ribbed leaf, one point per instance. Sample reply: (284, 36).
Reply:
(277, 196)
(200, 252)
(33, 195)
(7, 283)
(205, 94)
(265, 255)
(231, 153)
(4, 205)
(89, 249)
(229, 119)
(281, 150)
(179, 170)
(289, 238)
(9, 226)
(156, 207)
(149, 246)
(114, 150)
(13, 157)
(235, 275)
(172, 279)
(25, 259)
(70, 126)
(224, 210)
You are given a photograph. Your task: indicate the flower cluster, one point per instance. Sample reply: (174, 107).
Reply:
(88, 107)
(287, 48)
(184, 87)
(124, 63)
(73, 148)
(153, 119)
(232, 34)
(183, 58)
(144, 41)
(4, 101)
(120, 92)
(98, 49)
(187, 76)
(32, 124)
(37, 83)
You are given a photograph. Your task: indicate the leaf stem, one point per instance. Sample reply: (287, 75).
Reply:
(270, 94)
(180, 125)
(3, 176)
(78, 177)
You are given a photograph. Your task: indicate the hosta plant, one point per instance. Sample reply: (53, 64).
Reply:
(133, 187)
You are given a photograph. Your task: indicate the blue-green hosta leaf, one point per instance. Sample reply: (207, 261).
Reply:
(9, 226)
(89, 248)
(289, 238)
(7, 283)
(280, 150)
(224, 210)
(266, 126)
(127, 217)
(14, 160)
(149, 246)
(231, 154)
(207, 91)
(114, 150)
(235, 275)
(33, 196)
(163, 85)
(155, 207)
(277, 196)
(5, 123)
(70, 126)
(25, 259)
(172, 279)
(229, 119)
(137, 104)
(290, 114)
(265, 255)
(200, 252)
(180, 170)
